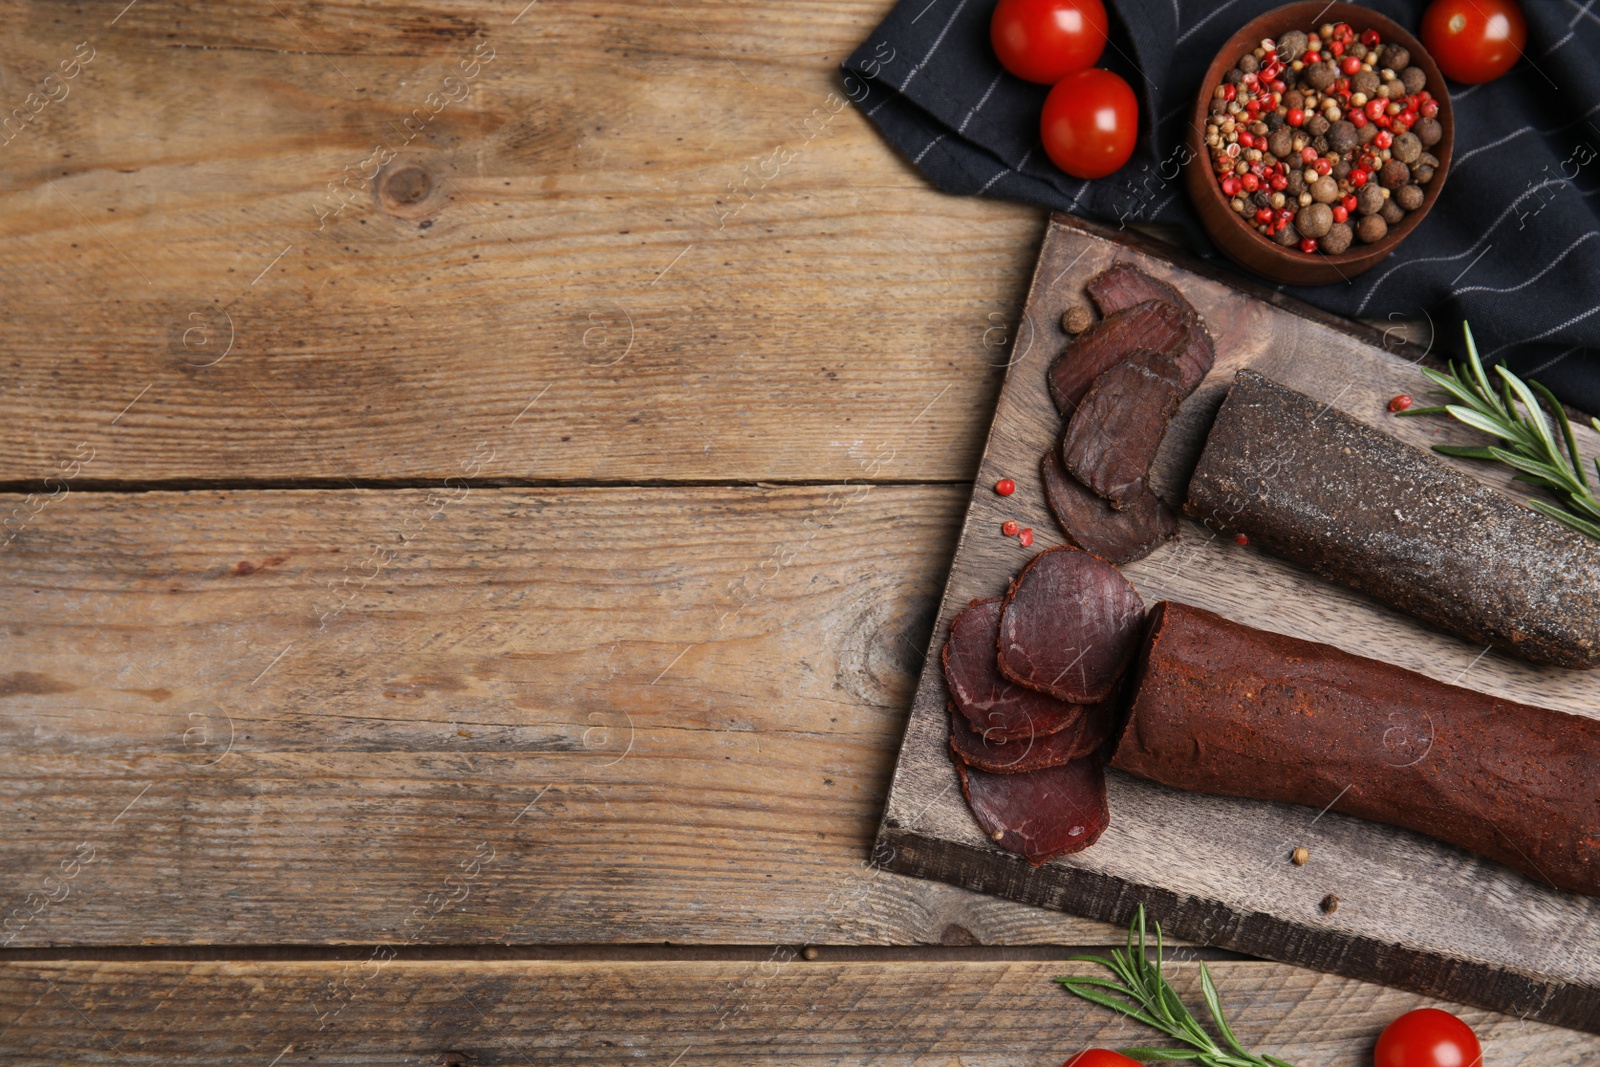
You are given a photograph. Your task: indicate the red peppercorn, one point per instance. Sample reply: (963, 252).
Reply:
(1430, 108)
(1308, 244)
(1400, 403)
(1383, 122)
(1245, 138)
(1358, 118)
(1250, 182)
(1009, 528)
(1278, 86)
(1250, 79)
(1337, 48)
(1341, 213)
(1026, 536)
(1005, 487)
(1296, 116)
(1229, 92)
(1322, 166)
(1230, 186)
(1409, 117)
(1370, 38)
(1384, 139)
(1374, 107)
(1264, 215)
(1350, 64)
(1308, 154)
(1348, 203)
(1279, 183)
(1241, 539)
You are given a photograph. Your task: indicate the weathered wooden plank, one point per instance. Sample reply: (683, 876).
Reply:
(782, 1009)
(508, 716)
(645, 243)
(1413, 912)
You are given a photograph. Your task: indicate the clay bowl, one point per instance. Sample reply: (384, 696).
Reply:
(1237, 240)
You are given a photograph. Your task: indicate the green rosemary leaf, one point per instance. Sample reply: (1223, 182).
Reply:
(1478, 421)
(1537, 468)
(1535, 418)
(1465, 452)
(1162, 1053)
(1115, 1005)
(1214, 1005)
(1566, 429)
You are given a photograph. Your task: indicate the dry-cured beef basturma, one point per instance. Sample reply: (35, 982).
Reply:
(1311, 484)
(1040, 814)
(1069, 626)
(1226, 709)
(1080, 739)
(1142, 525)
(997, 708)
(1155, 324)
(1113, 436)
(1122, 286)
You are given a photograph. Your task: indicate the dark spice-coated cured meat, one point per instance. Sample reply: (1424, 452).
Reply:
(1226, 709)
(997, 708)
(1041, 814)
(1143, 524)
(1311, 484)
(1069, 626)
(1155, 324)
(1123, 285)
(1113, 437)
(1084, 736)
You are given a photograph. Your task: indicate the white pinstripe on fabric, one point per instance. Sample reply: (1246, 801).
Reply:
(1541, 336)
(984, 99)
(934, 47)
(928, 149)
(1547, 364)
(1184, 36)
(1582, 12)
(1456, 163)
(1548, 268)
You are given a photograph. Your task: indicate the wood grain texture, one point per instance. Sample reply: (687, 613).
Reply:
(1413, 912)
(780, 1009)
(667, 223)
(602, 715)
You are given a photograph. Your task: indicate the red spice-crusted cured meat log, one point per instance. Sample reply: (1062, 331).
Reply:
(997, 708)
(1311, 484)
(1143, 524)
(1155, 324)
(1024, 754)
(1041, 814)
(1113, 436)
(1123, 285)
(1069, 626)
(1223, 708)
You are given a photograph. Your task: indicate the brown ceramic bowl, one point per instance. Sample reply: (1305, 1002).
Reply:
(1237, 239)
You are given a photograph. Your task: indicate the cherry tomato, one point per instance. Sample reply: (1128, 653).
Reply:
(1428, 1037)
(1474, 40)
(1045, 40)
(1090, 122)
(1099, 1057)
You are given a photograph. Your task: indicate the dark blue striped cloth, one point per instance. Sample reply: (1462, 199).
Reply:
(1513, 245)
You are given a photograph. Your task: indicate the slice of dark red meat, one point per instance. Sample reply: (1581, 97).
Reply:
(1142, 526)
(1069, 625)
(1041, 814)
(1031, 753)
(1154, 324)
(1113, 437)
(1123, 285)
(996, 707)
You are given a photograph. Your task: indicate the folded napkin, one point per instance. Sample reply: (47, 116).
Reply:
(1513, 245)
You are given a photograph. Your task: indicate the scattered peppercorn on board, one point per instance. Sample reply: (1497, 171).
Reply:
(1412, 912)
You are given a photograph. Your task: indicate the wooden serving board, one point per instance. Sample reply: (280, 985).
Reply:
(1413, 912)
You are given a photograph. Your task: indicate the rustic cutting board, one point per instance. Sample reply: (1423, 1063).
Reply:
(1413, 912)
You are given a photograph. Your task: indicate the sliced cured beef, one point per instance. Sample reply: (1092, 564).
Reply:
(1069, 625)
(1041, 814)
(1227, 709)
(1124, 285)
(1311, 484)
(1154, 324)
(997, 708)
(1113, 436)
(1024, 754)
(1143, 524)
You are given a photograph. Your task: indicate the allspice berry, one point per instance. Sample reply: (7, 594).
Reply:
(1291, 45)
(1315, 220)
(1364, 81)
(1294, 98)
(1369, 201)
(1408, 197)
(1422, 173)
(1330, 904)
(1407, 148)
(1366, 133)
(1297, 183)
(1281, 141)
(1288, 237)
(1391, 212)
(1248, 63)
(1372, 229)
(1413, 79)
(1342, 136)
(1394, 57)
(1317, 125)
(1324, 190)
(1394, 174)
(1320, 76)
(1076, 319)
(1428, 131)
(1338, 238)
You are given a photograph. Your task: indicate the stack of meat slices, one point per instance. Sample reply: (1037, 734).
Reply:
(1118, 385)
(1034, 679)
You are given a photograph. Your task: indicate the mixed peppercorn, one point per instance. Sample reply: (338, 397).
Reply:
(1322, 139)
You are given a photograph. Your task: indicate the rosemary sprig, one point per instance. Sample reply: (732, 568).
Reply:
(1527, 443)
(1142, 992)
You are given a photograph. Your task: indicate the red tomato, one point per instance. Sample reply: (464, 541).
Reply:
(1045, 40)
(1090, 122)
(1474, 40)
(1099, 1057)
(1428, 1037)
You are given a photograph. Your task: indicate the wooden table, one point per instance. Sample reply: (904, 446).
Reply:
(468, 602)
